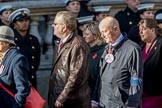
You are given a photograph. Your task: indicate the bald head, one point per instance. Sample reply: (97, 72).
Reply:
(109, 28)
(108, 22)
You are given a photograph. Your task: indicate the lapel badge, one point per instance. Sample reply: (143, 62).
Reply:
(128, 14)
(109, 58)
(155, 48)
(22, 13)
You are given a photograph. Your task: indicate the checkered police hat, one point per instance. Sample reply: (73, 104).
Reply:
(6, 34)
(19, 14)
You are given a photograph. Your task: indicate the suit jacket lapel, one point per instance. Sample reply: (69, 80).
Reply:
(153, 50)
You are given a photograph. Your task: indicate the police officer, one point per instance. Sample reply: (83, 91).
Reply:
(128, 17)
(26, 43)
(5, 11)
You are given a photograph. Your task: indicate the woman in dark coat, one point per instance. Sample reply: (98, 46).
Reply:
(13, 71)
(152, 59)
(91, 35)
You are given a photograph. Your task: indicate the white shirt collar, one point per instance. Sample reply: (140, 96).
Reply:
(65, 39)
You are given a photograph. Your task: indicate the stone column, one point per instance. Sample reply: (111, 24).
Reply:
(48, 39)
(35, 31)
(34, 28)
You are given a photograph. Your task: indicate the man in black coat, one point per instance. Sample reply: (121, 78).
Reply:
(145, 10)
(25, 42)
(128, 17)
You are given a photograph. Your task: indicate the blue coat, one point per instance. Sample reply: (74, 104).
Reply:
(14, 68)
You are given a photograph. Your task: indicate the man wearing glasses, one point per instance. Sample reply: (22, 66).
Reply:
(68, 84)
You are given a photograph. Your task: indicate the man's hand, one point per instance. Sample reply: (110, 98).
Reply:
(58, 104)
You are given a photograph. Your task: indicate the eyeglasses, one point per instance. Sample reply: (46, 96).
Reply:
(57, 24)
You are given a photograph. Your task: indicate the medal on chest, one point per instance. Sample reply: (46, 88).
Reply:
(109, 58)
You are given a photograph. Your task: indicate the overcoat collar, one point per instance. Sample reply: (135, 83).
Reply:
(157, 44)
(66, 45)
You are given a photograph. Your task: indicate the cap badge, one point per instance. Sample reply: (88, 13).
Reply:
(22, 13)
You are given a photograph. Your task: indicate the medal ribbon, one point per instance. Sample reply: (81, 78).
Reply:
(110, 50)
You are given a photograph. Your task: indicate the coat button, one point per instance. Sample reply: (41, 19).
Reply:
(128, 14)
(33, 47)
(16, 39)
(32, 67)
(33, 57)
(18, 48)
(32, 77)
(130, 22)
